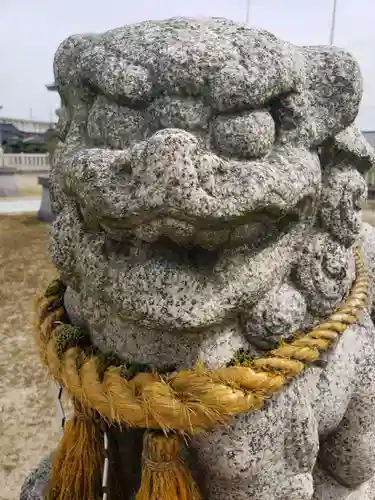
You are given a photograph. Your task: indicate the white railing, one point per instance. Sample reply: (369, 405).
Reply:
(25, 162)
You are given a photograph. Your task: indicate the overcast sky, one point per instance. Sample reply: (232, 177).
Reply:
(31, 30)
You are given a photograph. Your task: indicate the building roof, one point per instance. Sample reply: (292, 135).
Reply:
(27, 126)
(52, 87)
(10, 135)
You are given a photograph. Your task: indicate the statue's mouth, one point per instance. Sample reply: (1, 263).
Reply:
(175, 286)
(201, 243)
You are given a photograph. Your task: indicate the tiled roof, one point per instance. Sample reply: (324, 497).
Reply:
(11, 134)
(52, 87)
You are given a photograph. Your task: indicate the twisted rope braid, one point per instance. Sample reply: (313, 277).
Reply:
(190, 401)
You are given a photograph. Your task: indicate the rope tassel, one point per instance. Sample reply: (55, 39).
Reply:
(77, 466)
(164, 474)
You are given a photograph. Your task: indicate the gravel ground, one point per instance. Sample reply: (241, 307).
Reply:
(28, 428)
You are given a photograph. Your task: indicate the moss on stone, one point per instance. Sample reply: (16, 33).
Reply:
(130, 370)
(68, 336)
(57, 288)
(241, 358)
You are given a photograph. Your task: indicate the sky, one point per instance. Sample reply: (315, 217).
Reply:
(31, 30)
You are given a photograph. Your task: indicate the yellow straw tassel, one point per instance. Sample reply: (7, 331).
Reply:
(77, 466)
(164, 474)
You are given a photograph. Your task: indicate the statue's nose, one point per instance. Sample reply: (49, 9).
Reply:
(167, 160)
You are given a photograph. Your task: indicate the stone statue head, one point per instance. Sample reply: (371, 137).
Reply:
(207, 174)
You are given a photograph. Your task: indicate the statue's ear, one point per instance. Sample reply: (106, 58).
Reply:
(69, 62)
(349, 146)
(326, 103)
(334, 87)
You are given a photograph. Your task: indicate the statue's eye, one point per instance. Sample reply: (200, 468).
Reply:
(247, 135)
(186, 113)
(114, 126)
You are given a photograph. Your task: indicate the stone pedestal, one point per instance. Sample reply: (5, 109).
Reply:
(8, 184)
(45, 212)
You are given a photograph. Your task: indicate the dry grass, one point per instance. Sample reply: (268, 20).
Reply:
(369, 212)
(28, 429)
(28, 185)
(30, 192)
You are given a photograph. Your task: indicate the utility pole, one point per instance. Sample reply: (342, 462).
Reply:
(333, 22)
(248, 11)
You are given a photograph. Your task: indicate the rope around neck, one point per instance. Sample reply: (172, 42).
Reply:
(179, 405)
(189, 401)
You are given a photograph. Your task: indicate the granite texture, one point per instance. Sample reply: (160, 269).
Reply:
(278, 316)
(323, 272)
(207, 191)
(344, 191)
(35, 485)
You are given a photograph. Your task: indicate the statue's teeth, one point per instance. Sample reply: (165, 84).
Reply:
(211, 239)
(247, 232)
(178, 231)
(148, 232)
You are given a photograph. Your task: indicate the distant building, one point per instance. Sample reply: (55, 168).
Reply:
(370, 136)
(27, 126)
(52, 87)
(24, 136)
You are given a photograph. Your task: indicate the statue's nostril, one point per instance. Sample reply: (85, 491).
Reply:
(123, 167)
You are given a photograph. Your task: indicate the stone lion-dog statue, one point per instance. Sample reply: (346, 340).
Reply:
(207, 191)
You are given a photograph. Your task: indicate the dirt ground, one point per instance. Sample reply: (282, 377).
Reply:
(28, 426)
(28, 185)
(368, 214)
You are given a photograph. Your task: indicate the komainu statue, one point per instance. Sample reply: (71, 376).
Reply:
(212, 317)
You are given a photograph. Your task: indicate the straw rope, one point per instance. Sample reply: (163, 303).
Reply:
(190, 401)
